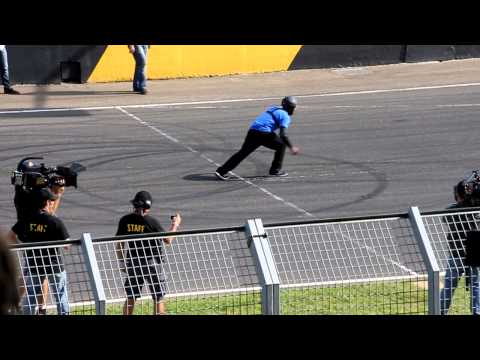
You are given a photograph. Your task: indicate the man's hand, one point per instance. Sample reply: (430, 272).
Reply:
(58, 190)
(295, 150)
(131, 48)
(176, 221)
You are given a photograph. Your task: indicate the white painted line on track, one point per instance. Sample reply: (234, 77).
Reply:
(457, 105)
(361, 92)
(171, 138)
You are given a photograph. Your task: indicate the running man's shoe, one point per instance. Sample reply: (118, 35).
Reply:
(224, 177)
(279, 173)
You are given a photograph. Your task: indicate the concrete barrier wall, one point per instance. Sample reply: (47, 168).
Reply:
(326, 56)
(175, 61)
(42, 64)
(418, 53)
(101, 63)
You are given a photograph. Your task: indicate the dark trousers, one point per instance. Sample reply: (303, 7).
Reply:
(4, 69)
(254, 140)
(139, 76)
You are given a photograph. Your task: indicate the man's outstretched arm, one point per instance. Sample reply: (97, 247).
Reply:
(283, 135)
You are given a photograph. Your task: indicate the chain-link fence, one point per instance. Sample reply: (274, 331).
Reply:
(447, 232)
(388, 264)
(366, 266)
(205, 273)
(54, 279)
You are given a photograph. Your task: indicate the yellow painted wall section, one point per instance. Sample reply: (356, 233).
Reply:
(177, 61)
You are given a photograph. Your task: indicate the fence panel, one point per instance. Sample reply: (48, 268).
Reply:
(202, 273)
(370, 266)
(38, 265)
(446, 231)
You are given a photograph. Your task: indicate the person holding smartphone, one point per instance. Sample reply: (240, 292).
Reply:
(142, 260)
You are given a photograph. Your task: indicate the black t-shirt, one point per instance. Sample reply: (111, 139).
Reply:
(37, 228)
(24, 202)
(137, 224)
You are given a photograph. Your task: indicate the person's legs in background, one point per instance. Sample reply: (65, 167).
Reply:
(33, 287)
(4, 73)
(139, 77)
(451, 281)
(60, 293)
(474, 289)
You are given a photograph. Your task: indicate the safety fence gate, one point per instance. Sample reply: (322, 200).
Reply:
(390, 264)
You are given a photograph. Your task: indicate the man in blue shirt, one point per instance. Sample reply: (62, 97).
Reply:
(262, 133)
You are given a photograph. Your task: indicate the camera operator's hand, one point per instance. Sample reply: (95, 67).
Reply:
(58, 190)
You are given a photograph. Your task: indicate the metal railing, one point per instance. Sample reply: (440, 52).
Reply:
(390, 264)
(358, 266)
(459, 283)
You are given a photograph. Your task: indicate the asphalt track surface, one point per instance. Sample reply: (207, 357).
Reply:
(361, 153)
(372, 148)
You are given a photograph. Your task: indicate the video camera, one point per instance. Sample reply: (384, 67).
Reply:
(30, 175)
(471, 187)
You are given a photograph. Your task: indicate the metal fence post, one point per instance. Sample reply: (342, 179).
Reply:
(94, 274)
(429, 259)
(268, 275)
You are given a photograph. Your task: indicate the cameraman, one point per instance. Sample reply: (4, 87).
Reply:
(459, 225)
(23, 203)
(40, 225)
(23, 200)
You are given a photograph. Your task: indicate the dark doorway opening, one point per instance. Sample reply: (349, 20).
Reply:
(70, 72)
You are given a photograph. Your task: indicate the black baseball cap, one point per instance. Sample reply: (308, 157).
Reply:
(44, 194)
(142, 199)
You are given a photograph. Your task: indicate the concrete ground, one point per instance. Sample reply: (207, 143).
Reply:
(300, 82)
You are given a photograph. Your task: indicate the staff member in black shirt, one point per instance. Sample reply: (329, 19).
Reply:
(143, 258)
(41, 226)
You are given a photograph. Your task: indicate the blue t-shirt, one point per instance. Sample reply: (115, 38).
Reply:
(272, 119)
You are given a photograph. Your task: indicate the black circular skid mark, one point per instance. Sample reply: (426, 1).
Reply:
(47, 149)
(212, 177)
(201, 177)
(380, 178)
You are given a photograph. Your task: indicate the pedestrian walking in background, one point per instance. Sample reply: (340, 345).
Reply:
(7, 88)
(139, 53)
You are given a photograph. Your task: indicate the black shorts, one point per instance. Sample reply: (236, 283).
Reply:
(145, 270)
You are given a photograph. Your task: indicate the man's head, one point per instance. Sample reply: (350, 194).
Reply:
(142, 200)
(289, 103)
(42, 198)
